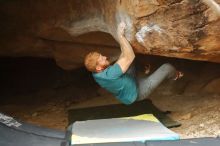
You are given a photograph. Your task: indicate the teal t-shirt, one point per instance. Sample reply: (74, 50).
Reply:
(121, 85)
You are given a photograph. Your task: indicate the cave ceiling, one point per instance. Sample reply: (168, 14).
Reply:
(66, 30)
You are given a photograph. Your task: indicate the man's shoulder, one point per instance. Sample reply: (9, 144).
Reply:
(112, 72)
(99, 74)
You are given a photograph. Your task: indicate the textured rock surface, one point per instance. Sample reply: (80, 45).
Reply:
(174, 28)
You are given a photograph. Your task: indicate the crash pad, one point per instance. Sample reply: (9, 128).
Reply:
(140, 128)
(121, 110)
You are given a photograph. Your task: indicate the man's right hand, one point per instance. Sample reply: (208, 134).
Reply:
(121, 29)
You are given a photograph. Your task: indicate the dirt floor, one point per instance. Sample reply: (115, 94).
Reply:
(48, 106)
(199, 115)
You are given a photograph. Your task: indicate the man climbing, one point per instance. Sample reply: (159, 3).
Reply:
(120, 78)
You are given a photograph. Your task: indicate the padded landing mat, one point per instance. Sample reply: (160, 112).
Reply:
(126, 129)
(120, 110)
(16, 133)
(187, 142)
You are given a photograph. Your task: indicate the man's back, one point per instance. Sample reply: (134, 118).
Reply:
(120, 84)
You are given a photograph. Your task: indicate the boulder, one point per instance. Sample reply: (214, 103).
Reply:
(67, 30)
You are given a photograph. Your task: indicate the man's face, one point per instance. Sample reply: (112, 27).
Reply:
(103, 61)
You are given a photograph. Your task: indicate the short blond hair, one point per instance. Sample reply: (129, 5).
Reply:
(91, 61)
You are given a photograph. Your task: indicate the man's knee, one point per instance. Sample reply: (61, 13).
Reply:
(167, 66)
(169, 69)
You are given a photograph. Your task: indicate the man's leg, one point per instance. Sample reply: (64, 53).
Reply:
(147, 84)
(132, 70)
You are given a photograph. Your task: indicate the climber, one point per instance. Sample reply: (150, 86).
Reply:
(120, 78)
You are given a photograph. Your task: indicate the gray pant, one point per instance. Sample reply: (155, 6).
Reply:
(147, 84)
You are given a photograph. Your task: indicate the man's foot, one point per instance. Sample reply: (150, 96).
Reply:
(147, 69)
(179, 75)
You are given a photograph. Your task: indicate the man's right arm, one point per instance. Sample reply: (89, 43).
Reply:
(127, 54)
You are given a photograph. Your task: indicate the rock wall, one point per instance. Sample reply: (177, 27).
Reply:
(175, 28)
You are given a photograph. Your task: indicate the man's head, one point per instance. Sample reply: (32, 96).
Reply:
(96, 62)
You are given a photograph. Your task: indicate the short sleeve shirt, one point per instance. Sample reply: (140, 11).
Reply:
(121, 85)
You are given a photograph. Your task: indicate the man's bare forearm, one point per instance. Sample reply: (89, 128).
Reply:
(126, 49)
(127, 54)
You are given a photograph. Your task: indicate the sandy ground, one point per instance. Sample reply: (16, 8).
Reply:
(199, 115)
